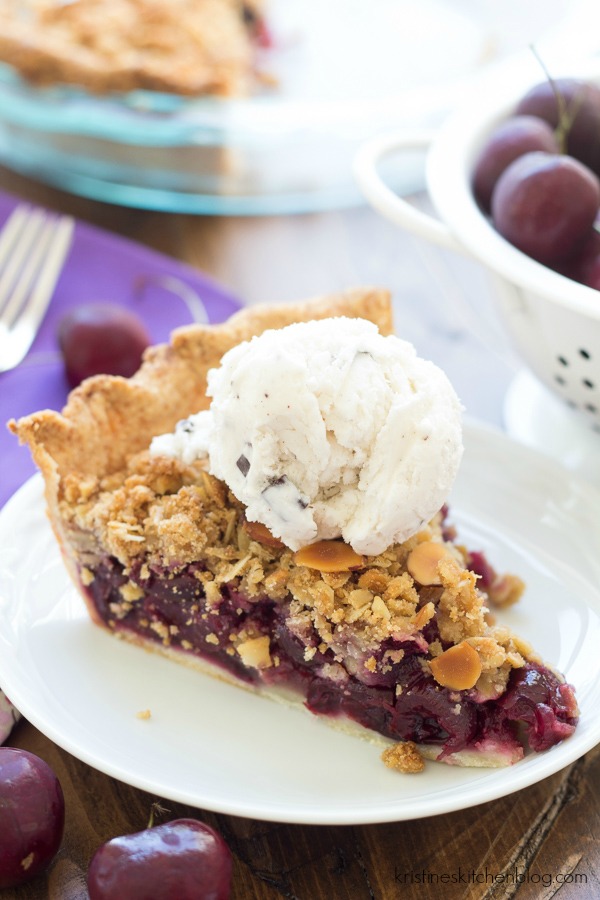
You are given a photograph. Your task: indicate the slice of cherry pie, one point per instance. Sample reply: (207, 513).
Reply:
(397, 645)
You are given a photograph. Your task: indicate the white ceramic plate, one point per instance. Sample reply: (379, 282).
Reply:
(216, 747)
(540, 419)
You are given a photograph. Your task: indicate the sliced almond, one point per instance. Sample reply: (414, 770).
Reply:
(329, 556)
(423, 562)
(380, 609)
(457, 668)
(424, 615)
(258, 532)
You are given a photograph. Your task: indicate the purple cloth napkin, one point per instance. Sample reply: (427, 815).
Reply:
(101, 267)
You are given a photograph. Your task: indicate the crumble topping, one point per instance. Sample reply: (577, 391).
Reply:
(254, 652)
(404, 757)
(160, 512)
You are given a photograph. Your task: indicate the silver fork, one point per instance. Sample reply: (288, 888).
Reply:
(33, 247)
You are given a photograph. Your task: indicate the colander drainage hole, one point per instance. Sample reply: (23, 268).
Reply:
(560, 379)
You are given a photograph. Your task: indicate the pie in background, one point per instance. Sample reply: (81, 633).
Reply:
(187, 47)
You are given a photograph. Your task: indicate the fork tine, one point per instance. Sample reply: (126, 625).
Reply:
(28, 271)
(9, 229)
(35, 250)
(18, 237)
(60, 235)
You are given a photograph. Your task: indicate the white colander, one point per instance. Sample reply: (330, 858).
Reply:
(553, 322)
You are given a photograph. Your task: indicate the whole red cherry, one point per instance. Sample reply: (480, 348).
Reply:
(183, 859)
(510, 139)
(585, 265)
(578, 104)
(32, 816)
(546, 204)
(101, 339)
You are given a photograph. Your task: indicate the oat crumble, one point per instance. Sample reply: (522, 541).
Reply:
(404, 757)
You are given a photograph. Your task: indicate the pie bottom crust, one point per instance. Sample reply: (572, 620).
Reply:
(161, 551)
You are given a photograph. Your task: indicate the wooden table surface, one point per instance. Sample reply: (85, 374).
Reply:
(539, 843)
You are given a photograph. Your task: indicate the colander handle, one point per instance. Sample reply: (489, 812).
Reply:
(390, 204)
(419, 223)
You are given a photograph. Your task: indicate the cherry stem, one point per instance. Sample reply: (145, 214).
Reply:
(158, 810)
(564, 119)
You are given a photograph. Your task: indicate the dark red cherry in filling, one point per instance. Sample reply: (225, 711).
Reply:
(538, 700)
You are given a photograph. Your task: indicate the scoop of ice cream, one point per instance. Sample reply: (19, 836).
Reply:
(327, 429)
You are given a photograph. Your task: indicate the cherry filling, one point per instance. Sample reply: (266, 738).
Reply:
(401, 701)
(546, 706)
